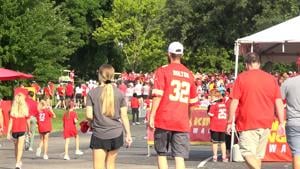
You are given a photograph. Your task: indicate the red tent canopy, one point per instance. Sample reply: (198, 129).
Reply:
(6, 74)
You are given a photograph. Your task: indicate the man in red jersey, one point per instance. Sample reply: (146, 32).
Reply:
(256, 93)
(174, 93)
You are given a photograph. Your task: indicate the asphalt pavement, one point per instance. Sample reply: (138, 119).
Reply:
(134, 157)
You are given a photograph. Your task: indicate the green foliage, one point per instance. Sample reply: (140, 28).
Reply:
(83, 16)
(34, 37)
(209, 60)
(208, 28)
(134, 27)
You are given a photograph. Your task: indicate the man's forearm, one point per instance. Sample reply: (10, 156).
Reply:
(280, 110)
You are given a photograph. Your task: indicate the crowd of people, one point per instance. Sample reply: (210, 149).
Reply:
(173, 85)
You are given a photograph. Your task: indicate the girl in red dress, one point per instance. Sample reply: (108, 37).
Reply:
(70, 120)
(44, 116)
(18, 126)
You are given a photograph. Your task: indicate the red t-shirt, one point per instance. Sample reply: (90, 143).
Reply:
(218, 116)
(135, 102)
(60, 90)
(256, 91)
(47, 91)
(32, 106)
(175, 84)
(19, 124)
(69, 124)
(69, 90)
(44, 120)
(84, 90)
(36, 87)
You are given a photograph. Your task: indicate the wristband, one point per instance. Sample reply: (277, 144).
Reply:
(229, 122)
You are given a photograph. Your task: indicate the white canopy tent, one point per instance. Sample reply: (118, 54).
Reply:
(279, 43)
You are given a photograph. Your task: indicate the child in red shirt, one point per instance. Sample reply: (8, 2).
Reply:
(69, 123)
(44, 116)
(135, 104)
(19, 123)
(218, 121)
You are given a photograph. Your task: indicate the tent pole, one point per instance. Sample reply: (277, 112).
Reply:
(236, 52)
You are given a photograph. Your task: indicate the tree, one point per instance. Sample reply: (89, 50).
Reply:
(134, 27)
(83, 16)
(34, 37)
(208, 28)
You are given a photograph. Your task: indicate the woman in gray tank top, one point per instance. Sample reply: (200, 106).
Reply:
(107, 111)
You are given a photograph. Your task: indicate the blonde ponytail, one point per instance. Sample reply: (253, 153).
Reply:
(107, 99)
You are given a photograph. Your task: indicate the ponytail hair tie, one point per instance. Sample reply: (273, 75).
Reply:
(107, 81)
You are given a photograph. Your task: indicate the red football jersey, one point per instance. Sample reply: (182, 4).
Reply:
(19, 124)
(44, 120)
(69, 124)
(175, 84)
(218, 116)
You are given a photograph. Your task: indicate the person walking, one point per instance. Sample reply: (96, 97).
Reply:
(107, 111)
(33, 111)
(174, 94)
(291, 92)
(256, 93)
(18, 125)
(70, 120)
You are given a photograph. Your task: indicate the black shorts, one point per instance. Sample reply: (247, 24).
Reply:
(16, 135)
(61, 98)
(43, 133)
(78, 97)
(179, 143)
(106, 144)
(69, 97)
(145, 96)
(217, 137)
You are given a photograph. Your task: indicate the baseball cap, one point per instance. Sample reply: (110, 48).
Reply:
(176, 48)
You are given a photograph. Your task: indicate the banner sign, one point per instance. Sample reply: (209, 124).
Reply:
(277, 148)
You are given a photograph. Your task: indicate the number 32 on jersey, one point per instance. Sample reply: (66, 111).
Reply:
(181, 91)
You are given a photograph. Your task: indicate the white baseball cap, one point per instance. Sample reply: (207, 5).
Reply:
(176, 48)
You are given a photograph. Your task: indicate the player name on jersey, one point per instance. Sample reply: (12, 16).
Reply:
(180, 74)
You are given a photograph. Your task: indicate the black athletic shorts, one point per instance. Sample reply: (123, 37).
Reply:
(61, 98)
(16, 135)
(106, 144)
(217, 137)
(179, 142)
(43, 133)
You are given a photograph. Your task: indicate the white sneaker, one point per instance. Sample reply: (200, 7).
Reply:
(133, 124)
(30, 149)
(78, 152)
(19, 165)
(66, 157)
(38, 152)
(137, 123)
(45, 157)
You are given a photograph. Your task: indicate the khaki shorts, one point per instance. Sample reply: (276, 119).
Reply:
(254, 142)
